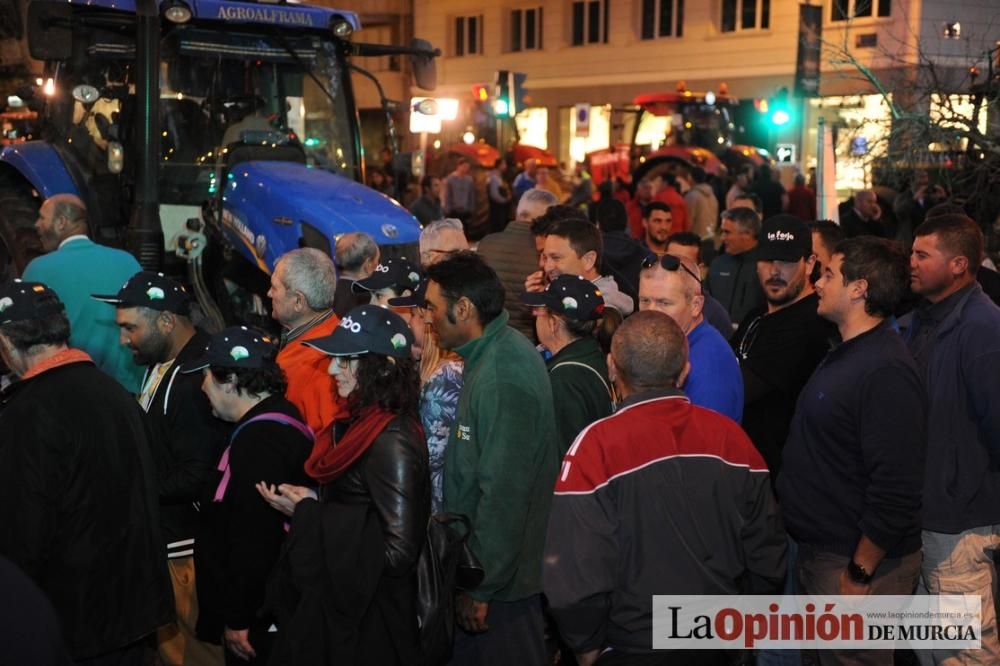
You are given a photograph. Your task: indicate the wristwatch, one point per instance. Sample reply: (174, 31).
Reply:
(858, 573)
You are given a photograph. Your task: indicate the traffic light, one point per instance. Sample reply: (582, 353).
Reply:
(480, 92)
(520, 94)
(501, 101)
(779, 110)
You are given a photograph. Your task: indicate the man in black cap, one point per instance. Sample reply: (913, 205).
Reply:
(780, 343)
(78, 509)
(566, 319)
(392, 278)
(153, 320)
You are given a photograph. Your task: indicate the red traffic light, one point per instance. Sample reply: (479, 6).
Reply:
(480, 92)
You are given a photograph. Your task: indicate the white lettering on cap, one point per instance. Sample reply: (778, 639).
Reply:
(350, 325)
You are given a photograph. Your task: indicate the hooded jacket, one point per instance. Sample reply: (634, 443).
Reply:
(613, 296)
(187, 442)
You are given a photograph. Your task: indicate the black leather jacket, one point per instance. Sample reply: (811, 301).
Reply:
(393, 475)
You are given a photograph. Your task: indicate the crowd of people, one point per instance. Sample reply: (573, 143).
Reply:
(687, 392)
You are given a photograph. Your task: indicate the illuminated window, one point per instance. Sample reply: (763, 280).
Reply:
(533, 126)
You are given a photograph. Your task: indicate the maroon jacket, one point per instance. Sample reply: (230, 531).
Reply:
(663, 497)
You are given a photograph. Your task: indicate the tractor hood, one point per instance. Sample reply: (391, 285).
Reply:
(269, 206)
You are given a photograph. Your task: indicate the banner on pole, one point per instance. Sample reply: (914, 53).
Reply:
(807, 64)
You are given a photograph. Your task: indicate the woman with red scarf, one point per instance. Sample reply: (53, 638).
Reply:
(353, 547)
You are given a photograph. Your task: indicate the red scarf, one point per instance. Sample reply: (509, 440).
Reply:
(329, 460)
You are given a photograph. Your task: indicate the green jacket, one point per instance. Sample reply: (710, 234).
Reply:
(502, 460)
(580, 388)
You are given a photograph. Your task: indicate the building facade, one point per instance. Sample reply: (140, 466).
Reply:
(874, 53)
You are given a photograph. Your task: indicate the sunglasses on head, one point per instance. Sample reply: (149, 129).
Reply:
(669, 263)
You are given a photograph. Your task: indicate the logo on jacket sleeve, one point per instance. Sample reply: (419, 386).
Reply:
(464, 432)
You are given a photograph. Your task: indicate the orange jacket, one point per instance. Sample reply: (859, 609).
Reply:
(310, 386)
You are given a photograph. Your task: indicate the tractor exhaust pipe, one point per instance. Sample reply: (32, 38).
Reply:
(145, 235)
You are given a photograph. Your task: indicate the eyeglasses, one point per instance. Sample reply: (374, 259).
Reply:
(669, 263)
(344, 362)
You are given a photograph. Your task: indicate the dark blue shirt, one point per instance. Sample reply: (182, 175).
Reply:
(854, 459)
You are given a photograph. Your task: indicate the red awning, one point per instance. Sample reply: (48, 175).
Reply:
(542, 157)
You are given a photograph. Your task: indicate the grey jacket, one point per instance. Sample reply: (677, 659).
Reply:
(511, 253)
(732, 280)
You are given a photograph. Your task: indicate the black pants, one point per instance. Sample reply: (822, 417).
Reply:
(130, 655)
(666, 658)
(261, 641)
(516, 637)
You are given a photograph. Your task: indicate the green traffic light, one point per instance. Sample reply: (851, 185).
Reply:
(780, 117)
(501, 107)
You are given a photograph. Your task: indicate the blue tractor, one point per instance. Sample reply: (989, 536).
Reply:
(211, 133)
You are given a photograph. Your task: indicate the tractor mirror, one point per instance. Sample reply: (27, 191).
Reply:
(424, 67)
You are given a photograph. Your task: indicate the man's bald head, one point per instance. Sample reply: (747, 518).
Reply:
(649, 352)
(61, 216)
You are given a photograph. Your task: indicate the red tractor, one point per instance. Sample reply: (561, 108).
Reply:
(684, 128)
